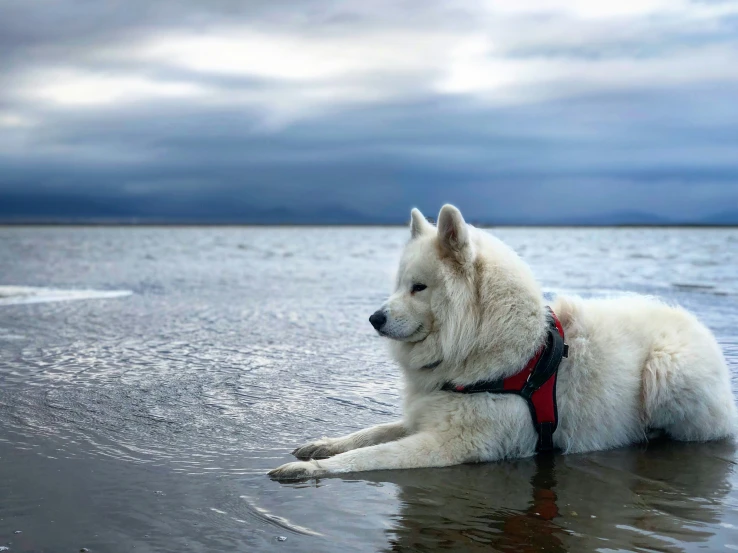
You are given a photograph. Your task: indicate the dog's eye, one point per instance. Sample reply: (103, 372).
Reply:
(419, 287)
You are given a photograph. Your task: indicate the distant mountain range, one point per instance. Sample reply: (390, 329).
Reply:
(67, 209)
(17, 208)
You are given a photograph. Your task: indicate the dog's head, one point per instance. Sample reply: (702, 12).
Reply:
(458, 289)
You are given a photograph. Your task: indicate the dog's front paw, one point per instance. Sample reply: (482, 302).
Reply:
(299, 470)
(322, 449)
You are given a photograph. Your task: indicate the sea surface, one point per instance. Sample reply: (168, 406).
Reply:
(149, 378)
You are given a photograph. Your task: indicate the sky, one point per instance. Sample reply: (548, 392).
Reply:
(318, 111)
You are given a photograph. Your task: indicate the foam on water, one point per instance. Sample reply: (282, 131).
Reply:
(14, 295)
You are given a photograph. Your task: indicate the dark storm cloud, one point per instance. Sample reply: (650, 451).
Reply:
(353, 115)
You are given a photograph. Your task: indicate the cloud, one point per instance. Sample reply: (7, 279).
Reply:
(502, 106)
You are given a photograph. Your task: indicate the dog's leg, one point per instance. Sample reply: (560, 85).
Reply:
(327, 447)
(424, 449)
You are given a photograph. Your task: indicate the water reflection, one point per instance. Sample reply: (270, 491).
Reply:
(663, 496)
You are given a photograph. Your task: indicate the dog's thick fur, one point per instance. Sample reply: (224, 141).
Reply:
(635, 364)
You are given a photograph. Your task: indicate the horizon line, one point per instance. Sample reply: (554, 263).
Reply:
(124, 223)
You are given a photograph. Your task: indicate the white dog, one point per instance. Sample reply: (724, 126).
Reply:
(467, 310)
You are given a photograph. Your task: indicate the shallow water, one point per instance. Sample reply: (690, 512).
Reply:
(147, 421)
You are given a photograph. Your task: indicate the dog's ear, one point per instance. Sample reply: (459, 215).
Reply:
(453, 235)
(418, 224)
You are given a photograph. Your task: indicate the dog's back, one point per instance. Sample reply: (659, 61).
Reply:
(637, 364)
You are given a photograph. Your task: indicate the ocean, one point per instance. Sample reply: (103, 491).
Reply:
(150, 376)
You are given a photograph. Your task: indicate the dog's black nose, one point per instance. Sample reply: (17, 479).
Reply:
(378, 319)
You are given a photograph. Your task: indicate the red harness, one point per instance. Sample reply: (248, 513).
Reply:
(536, 384)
